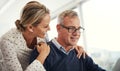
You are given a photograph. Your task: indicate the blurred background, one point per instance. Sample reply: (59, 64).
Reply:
(100, 18)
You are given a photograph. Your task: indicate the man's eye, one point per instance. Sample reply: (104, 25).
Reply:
(79, 28)
(72, 28)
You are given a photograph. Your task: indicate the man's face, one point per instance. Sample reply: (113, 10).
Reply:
(69, 33)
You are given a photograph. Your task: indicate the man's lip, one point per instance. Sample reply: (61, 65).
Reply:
(74, 37)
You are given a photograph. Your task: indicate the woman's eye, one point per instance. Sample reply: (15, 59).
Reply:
(46, 26)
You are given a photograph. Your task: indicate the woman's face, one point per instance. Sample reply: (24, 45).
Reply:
(41, 29)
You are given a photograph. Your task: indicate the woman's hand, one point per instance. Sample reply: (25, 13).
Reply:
(80, 51)
(43, 50)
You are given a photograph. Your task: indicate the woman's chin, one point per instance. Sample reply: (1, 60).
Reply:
(42, 36)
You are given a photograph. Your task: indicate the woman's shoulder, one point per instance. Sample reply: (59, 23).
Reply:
(11, 35)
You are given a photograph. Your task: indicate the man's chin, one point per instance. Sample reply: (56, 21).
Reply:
(73, 44)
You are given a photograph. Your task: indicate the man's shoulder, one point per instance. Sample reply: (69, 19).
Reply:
(51, 44)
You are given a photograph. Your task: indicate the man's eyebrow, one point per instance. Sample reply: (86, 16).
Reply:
(74, 26)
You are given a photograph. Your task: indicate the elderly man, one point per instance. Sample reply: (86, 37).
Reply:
(63, 56)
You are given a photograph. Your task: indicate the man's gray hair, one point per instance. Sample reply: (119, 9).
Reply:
(66, 13)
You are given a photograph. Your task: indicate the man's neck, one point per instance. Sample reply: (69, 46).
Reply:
(66, 47)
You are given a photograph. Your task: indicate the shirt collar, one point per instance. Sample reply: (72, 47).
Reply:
(60, 47)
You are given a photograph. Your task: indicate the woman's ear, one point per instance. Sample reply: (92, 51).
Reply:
(30, 28)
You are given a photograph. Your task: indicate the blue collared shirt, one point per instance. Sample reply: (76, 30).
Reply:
(60, 47)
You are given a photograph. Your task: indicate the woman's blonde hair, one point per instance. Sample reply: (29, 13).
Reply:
(32, 13)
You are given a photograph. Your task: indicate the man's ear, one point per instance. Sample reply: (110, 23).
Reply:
(58, 27)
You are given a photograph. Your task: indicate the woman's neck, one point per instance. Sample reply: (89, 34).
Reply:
(28, 38)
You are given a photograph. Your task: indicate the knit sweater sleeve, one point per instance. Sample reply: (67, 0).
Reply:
(90, 65)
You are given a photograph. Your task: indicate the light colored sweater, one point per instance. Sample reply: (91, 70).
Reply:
(16, 53)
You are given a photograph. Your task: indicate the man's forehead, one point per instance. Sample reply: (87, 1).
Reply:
(71, 21)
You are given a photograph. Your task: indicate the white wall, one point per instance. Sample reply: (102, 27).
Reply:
(10, 11)
(102, 22)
